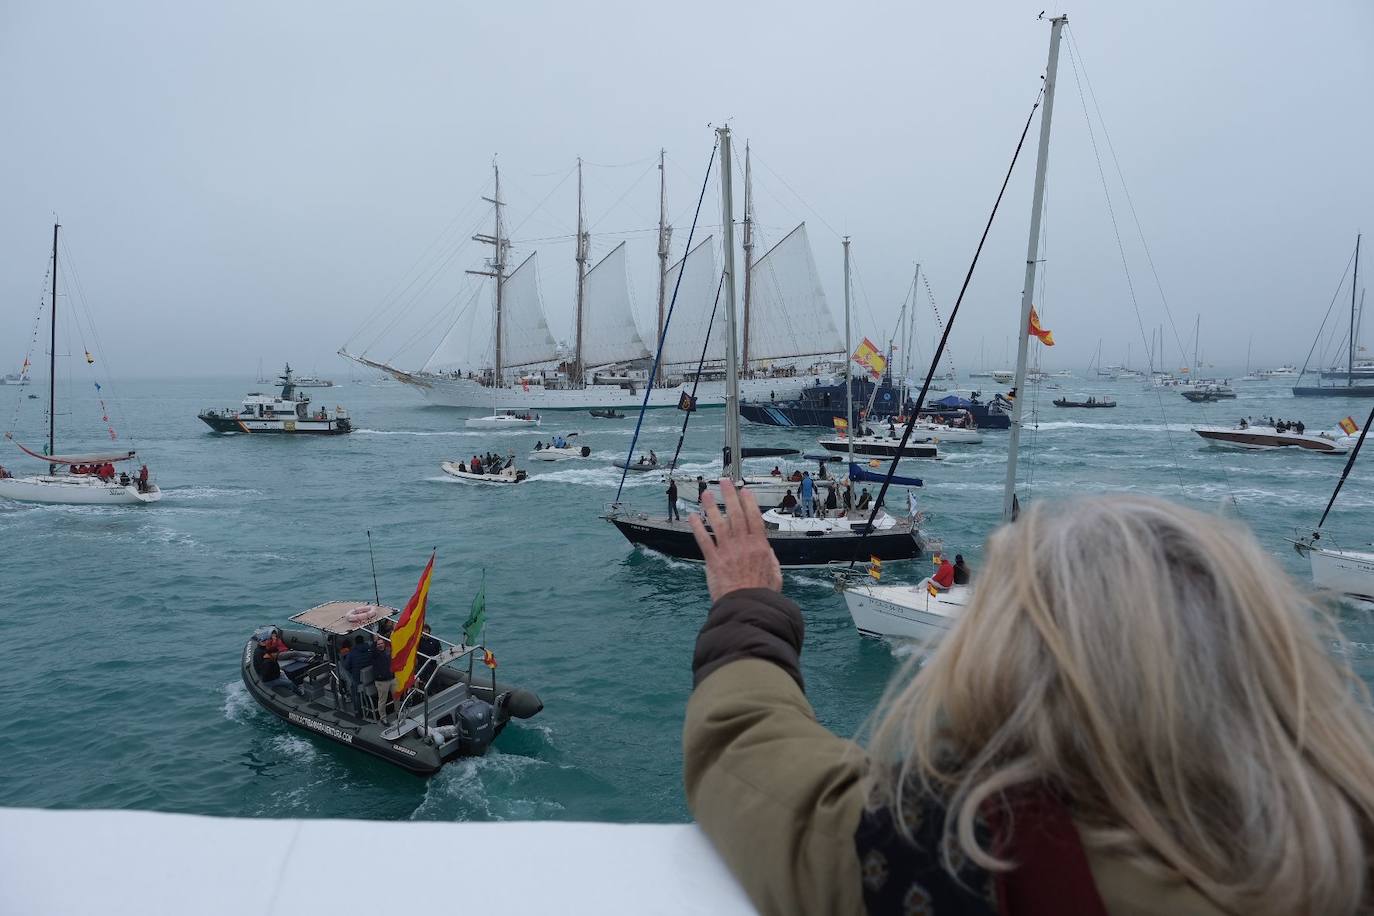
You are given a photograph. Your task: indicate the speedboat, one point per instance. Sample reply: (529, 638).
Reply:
(454, 709)
(642, 466)
(940, 433)
(564, 452)
(610, 413)
(504, 419)
(906, 611)
(1203, 394)
(507, 474)
(1253, 437)
(1089, 403)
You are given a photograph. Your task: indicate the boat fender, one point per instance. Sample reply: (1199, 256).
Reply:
(522, 704)
(586, 451)
(442, 734)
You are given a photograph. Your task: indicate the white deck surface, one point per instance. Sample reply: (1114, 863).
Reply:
(114, 862)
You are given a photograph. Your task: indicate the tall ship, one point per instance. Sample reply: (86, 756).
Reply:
(286, 412)
(786, 322)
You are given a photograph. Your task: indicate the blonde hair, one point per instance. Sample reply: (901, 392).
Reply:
(1155, 667)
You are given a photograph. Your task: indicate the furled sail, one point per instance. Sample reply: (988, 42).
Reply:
(788, 314)
(524, 327)
(692, 311)
(609, 333)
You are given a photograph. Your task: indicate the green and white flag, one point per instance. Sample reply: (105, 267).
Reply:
(477, 619)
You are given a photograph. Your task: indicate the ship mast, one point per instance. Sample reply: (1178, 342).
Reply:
(52, 357)
(727, 208)
(748, 254)
(1354, 282)
(665, 237)
(1032, 252)
(848, 355)
(498, 268)
(582, 240)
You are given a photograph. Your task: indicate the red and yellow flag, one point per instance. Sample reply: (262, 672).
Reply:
(488, 659)
(930, 587)
(405, 639)
(1046, 337)
(841, 425)
(871, 358)
(875, 566)
(1350, 426)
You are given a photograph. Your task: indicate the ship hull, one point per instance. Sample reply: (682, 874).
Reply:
(1333, 391)
(1265, 439)
(447, 391)
(75, 491)
(793, 549)
(229, 423)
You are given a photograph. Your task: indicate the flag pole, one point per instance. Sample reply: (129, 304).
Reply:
(376, 592)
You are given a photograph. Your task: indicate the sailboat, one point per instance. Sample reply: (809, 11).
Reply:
(796, 541)
(925, 612)
(600, 373)
(76, 479)
(1352, 369)
(1350, 572)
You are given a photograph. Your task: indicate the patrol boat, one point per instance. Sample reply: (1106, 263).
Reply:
(456, 709)
(287, 412)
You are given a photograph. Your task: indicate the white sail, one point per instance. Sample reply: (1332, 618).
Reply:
(788, 314)
(609, 333)
(524, 326)
(691, 316)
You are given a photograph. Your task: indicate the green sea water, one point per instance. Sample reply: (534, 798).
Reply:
(123, 628)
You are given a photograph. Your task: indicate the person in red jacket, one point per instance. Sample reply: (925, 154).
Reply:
(944, 576)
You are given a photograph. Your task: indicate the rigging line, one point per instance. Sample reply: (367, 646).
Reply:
(621, 165)
(437, 318)
(403, 297)
(696, 379)
(397, 290)
(1349, 463)
(667, 319)
(944, 336)
(1327, 316)
(619, 200)
(1074, 55)
(863, 291)
(80, 308)
(472, 298)
(803, 200)
(540, 206)
(1121, 250)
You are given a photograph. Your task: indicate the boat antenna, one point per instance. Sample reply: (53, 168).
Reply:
(52, 356)
(944, 337)
(1349, 463)
(376, 592)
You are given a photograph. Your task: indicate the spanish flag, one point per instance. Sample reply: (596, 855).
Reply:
(871, 358)
(875, 566)
(1350, 426)
(930, 587)
(841, 425)
(405, 639)
(1035, 330)
(488, 659)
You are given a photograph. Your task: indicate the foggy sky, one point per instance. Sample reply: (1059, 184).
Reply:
(250, 180)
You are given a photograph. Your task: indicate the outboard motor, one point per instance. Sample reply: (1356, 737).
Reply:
(586, 451)
(478, 724)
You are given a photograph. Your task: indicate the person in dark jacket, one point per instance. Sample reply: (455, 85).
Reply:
(428, 648)
(1076, 778)
(961, 570)
(382, 678)
(358, 665)
(267, 669)
(672, 501)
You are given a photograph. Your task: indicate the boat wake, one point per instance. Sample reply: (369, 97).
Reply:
(238, 705)
(426, 432)
(299, 749)
(485, 788)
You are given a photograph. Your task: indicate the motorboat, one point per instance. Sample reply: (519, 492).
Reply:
(313, 381)
(1261, 438)
(285, 413)
(14, 378)
(454, 710)
(610, 413)
(504, 419)
(507, 474)
(1203, 394)
(882, 446)
(1280, 372)
(943, 433)
(1092, 402)
(561, 448)
(914, 612)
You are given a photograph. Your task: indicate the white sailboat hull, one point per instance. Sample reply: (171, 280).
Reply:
(1347, 571)
(906, 611)
(447, 391)
(75, 491)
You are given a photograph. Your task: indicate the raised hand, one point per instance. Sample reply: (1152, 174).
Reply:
(738, 556)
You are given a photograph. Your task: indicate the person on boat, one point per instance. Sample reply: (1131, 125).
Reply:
(462, 468)
(143, 478)
(789, 502)
(653, 459)
(476, 465)
(796, 477)
(429, 648)
(4, 474)
(832, 501)
(358, 664)
(944, 575)
(672, 501)
(266, 666)
(807, 492)
(821, 473)
(701, 489)
(539, 446)
(962, 574)
(864, 499)
(382, 679)
(347, 687)
(123, 479)
(1243, 424)
(1299, 427)
(776, 472)
(1066, 783)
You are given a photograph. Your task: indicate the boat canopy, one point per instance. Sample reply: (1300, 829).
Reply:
(343, 617)
(859, 472)
(93, 458)
(952, 400)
